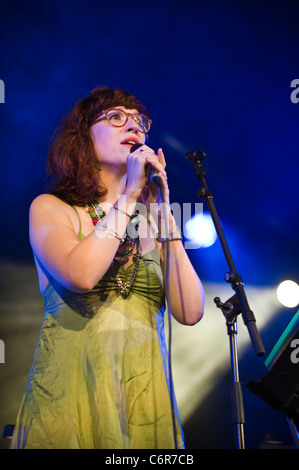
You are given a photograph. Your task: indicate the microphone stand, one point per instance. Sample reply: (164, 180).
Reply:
(232, 307)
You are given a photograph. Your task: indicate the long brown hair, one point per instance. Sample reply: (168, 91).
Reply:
(71, 162)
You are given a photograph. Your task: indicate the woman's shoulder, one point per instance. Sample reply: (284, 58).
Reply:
(47, 200)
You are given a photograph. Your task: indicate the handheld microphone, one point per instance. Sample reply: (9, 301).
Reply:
(151, 173)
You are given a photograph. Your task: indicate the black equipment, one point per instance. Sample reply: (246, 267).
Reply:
(279, 387)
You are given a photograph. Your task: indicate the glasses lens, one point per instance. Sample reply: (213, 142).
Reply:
(116, 117)
(143, 122)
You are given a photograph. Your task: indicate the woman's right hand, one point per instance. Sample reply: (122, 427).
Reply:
(136, 177)
(136, 161)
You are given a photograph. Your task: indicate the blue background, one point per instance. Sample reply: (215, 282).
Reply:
(214, 75)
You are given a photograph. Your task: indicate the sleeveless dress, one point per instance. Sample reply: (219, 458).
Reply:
(99, 377)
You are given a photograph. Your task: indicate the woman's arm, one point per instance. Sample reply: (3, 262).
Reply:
(76, 265)
(185, 288)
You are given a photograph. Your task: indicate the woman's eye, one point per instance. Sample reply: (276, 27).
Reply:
(115, 117)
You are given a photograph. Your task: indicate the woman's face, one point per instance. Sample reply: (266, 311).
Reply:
(113, 144)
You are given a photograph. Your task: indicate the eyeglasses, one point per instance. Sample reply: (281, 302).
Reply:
(119, 118)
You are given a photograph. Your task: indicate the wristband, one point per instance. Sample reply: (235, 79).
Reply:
(172, 236)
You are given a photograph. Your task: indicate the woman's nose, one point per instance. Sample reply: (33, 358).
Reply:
(132, 125)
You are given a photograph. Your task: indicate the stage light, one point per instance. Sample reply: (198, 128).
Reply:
(200, 230)
(288, 293)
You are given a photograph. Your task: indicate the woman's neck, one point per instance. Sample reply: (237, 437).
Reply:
(115, 184)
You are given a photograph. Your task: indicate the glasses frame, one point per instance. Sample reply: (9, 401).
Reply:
(128, 115)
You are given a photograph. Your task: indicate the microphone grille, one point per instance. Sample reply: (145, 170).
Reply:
(135, 147)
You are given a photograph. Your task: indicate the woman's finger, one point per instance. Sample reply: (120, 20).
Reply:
(156, 165)
(161, 157)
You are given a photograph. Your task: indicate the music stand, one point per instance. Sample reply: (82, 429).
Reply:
(279, 387)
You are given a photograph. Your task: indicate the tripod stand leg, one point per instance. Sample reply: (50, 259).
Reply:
(237, 396)
(238, 415)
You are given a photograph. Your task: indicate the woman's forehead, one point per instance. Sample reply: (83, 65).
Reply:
(123, 108)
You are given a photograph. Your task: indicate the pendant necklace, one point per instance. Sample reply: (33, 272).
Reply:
(96, 213)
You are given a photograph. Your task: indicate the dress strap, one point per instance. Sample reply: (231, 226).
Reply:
(80, 234)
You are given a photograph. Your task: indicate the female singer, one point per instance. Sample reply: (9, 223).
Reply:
(100, 377)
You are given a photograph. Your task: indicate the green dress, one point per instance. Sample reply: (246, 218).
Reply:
(99, 377)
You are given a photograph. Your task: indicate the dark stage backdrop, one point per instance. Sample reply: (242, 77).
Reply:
(215, 75)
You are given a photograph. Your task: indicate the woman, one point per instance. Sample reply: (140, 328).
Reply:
(99, 377)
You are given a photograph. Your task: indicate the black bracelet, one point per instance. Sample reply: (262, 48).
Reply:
(172, 236)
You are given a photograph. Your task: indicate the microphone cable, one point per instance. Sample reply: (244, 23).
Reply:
(153, 176)
(167, 296)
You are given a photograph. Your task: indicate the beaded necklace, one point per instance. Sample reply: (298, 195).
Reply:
(96, 213)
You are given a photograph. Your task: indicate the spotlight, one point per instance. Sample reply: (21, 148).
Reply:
(288, 293)
(200, 230)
